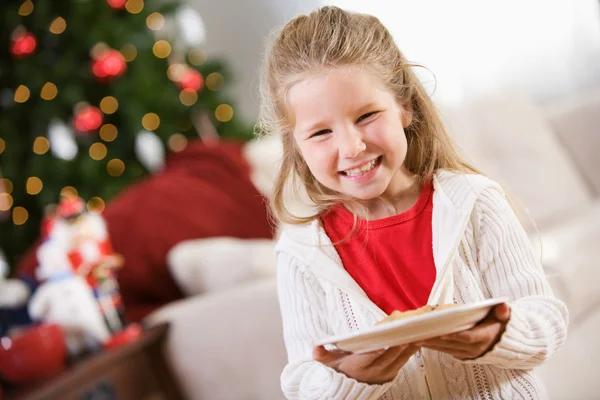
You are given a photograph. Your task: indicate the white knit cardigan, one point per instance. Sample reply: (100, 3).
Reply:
(480, 251)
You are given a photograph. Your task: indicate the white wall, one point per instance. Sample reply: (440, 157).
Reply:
(547, 48)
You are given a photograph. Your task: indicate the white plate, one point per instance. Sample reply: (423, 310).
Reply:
(411, 329)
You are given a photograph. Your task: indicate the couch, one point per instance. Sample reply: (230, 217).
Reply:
(227, 343)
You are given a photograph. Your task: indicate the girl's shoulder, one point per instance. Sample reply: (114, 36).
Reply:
(461, 188)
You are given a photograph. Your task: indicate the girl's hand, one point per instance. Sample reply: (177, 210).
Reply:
(475, 342)
(375, 367)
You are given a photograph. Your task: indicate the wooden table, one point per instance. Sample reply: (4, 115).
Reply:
(135, 371)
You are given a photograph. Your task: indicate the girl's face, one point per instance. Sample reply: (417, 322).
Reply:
(350, 131)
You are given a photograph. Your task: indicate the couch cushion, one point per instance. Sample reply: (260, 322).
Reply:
(572, 373)
(508, 139)
(577, 123)
(570, 256)
(227, 344)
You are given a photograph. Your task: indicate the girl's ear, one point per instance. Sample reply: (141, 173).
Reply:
(406, 116)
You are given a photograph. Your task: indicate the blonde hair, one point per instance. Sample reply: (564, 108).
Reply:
(328, 38)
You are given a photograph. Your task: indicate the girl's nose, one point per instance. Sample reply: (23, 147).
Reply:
(351, 143)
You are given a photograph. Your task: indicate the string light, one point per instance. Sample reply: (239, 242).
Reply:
(2, 145)
(7, 185)
(6, 201)
(196, 57)
(26, 8)
(177, 142)
(224, 113)
(58, 26)
(188, 97)
(150, 121)
(115, 167)
(96, 204)
(98, 49)
(98, 151)
(176, 71)
(19, 215)
(214, 81)
(155, 21)
(109, 105)
(129, 52)
(49, 91)
(41, 145)
(161, 49)
(69, 191)
(134, 6)
(22, 94)
(108, 132)
(34, 185)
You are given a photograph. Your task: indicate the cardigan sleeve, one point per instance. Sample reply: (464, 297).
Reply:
(302, 303)
(511, 268)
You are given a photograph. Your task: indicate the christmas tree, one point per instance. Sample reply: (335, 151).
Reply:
(93, 93)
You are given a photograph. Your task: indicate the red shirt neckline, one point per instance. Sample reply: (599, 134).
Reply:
(409, 214)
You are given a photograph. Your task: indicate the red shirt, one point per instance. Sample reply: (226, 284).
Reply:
(390, 258)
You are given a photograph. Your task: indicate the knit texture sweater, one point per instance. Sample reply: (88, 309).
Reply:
(480, 252)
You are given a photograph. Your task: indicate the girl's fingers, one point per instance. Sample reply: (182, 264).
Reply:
(389, 355)
(403, 358)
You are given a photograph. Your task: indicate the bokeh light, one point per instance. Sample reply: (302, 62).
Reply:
(214, 81)
(177, 142)
(109, 105)
(108, 132)
(150, 121)
(129, 52)
(161, 49)
(19, 215)
(6, 201)
(196, 57)
(224, 113)
(68, 191)
(22, 94)
(96, 204)
(7, 185)
(98, 151)
(188, 97)
(34, 185)
(49, 91)
(41, 145)
(155, 21)
(115, 167)
(175, 72)
(58, 26)
(134, 6)
(26, 8)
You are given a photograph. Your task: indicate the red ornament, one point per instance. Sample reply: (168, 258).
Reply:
(88, 119)
(70, 206)
(108, 65)
(23, 45)
(116, 4)
(192, 79)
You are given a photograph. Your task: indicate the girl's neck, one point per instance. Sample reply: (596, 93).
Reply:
(401, 196)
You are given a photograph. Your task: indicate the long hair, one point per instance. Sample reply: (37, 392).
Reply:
(329, 38)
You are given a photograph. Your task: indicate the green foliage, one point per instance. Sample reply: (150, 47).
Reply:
(65, 60)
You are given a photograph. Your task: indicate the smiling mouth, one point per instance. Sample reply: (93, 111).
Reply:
(362, 169)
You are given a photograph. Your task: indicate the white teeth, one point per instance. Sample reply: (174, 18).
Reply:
(362, 170)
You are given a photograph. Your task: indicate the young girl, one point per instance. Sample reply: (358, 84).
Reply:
(401, 221)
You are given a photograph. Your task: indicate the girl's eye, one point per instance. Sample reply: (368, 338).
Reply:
(320, 133)
(365, 116)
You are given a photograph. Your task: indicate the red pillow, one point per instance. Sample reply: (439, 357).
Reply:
(204, 191)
